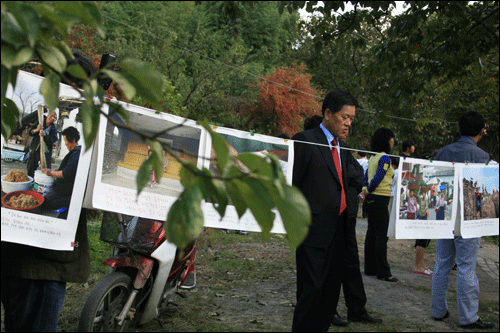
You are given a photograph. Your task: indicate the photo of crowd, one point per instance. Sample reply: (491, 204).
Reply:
(426, 192)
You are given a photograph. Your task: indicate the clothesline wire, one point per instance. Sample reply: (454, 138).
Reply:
(366, 151)
(244, 71)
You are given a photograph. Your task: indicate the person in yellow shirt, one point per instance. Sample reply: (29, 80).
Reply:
(377, 194)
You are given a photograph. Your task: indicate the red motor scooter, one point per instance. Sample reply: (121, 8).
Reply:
(146, 272)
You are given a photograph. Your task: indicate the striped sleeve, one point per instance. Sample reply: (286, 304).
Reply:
(383, 165)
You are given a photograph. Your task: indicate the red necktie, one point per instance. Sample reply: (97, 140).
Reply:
(336, 160)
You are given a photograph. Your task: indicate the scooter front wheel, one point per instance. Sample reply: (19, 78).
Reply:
(105, 303)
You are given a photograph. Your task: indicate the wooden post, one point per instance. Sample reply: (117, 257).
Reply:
(42, 141)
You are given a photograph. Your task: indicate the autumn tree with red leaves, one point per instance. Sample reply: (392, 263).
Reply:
(285, 99)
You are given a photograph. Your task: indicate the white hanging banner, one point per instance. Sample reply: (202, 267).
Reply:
(44, 229)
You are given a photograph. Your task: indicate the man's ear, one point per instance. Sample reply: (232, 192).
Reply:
(328, 114)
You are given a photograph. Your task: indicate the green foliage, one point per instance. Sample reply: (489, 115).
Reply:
(37, 29)
(416, 72)
(205, 52)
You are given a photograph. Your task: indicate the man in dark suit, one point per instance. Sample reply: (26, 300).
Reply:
(320, 172)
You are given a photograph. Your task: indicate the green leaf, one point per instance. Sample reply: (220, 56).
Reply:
(85, 11)
(50, 90)
(27, 18)
(220, 147)
(8, 76)
(295, 213)
(143, 175)
(257, 164)
(261, 204)
(147, 82)
(185, 218)
(188, 178)
(237, 198)
(121, 111)
(12, 32)
(9, 54)
(52, 57)
(62, 25)
(219, 194)
(95, 15)
(77, 71)
(127, 87)
(90, 122)
(156, 158)
(23, 56)
(10, 113)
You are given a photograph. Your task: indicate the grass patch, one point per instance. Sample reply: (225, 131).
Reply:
(99, 250)
(488, 311)
(491, 239)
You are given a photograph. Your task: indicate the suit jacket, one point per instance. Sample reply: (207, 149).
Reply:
(315, 175)
(354, 181)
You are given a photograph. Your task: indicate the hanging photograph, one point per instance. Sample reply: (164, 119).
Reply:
(244, 142)
(122, 151)
(479, 198)
(425, 200)
(42, 191)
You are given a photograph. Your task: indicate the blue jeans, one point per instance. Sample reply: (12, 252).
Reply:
(467, 283)
(32, 305)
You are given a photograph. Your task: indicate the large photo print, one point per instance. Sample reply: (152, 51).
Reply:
(426, 199)
(121, 153)
(479, 198)
(244, 142)
(45, 166)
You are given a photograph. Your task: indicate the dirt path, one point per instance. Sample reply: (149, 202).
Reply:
(257, 291)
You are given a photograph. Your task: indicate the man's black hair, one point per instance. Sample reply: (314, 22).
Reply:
(407, 144)
(471, 123)
(336, 100)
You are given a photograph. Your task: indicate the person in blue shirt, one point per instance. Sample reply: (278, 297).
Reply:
(465, 150)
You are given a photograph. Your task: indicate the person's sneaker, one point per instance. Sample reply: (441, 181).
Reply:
(479, 324)
(241, 232)
(225, 231)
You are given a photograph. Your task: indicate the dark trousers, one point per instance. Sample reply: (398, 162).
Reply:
(376, 236)
(352, 283)
(54, 200)
(319, 276)
(32, 305)
(34, 158)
